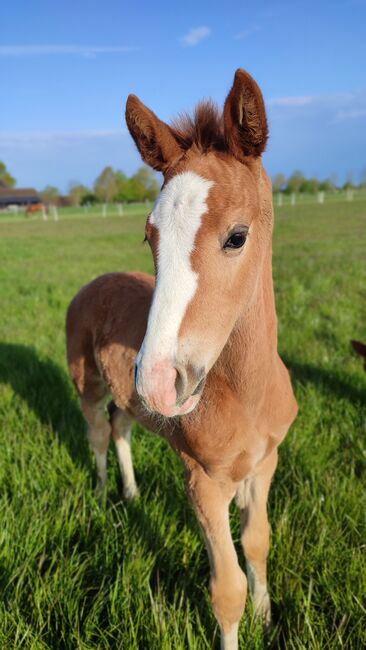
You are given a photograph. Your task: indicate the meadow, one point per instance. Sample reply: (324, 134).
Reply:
(78, 574)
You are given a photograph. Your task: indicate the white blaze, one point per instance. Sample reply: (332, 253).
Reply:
(177, 216)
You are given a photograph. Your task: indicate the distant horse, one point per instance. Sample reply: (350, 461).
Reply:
(360, 348)
(34, 207)
(192, 354)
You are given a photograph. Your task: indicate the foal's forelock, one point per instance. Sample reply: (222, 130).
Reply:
(177, 216)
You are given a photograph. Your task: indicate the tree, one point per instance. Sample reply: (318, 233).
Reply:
(89, 199)
(105, 186)
(278, 182)
(294, 182)
(5, 177)
(50, 194)
(310, 185)
(122, 181)
(349, 185)
(327, 185)
(142, 186)
(76, 192)
(146, 184)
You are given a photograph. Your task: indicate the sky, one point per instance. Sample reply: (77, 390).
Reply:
(66, 69)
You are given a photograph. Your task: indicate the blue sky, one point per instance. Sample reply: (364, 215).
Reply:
(66, 69)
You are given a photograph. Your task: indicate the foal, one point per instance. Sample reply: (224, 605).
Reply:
(193, 355)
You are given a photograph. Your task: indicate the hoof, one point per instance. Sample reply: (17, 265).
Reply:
(100, 491)
(130, 492)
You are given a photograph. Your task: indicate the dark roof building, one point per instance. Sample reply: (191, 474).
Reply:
(10, 196)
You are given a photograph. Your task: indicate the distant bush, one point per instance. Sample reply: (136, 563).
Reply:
(89, 199)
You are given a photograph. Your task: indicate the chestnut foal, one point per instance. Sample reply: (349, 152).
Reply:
(207, 375)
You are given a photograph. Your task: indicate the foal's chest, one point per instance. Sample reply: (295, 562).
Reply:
(230, 444)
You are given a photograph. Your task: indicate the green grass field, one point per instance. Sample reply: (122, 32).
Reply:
(74, 574)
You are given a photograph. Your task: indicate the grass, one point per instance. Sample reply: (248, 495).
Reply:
(74, 574)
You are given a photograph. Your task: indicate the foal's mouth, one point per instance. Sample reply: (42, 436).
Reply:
(182, 406)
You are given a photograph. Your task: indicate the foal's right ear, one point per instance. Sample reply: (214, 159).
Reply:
(154, 139)
(245, 121)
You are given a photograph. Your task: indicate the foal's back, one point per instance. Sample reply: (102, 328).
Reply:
(105, 326)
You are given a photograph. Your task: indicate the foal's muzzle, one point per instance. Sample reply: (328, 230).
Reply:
(171, 389)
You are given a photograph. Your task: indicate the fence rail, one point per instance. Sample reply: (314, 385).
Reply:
(54, 213)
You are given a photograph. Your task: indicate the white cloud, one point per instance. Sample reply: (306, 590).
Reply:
(44, 138)
(337, 107)
(47, 50)
(195, 35)
(248, 32)
(351, 114)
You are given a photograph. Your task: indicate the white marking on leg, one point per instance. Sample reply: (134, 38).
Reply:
(177, 216)
(121, 431)
(123, 447)
(259, 594)
(229, 640)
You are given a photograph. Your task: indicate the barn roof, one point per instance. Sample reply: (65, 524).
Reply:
(10, 196)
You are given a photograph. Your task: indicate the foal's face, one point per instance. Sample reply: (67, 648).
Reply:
(208, 238)
(204, 233)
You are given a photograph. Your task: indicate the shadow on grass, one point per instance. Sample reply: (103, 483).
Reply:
(47, 391)
(327, 381)
(169, 573)
(45, 388)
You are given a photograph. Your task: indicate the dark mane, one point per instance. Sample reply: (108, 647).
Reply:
(203, 130)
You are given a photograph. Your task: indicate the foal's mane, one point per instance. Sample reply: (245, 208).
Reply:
(203, 130)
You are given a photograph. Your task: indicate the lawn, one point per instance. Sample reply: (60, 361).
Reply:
(77, 574)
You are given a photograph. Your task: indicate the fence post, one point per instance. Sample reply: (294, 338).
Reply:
(280, 199)
(320, 197)
(293, 198)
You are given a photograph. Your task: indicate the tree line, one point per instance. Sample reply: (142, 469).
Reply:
(297, 183)
(111, 186)
(115, 186)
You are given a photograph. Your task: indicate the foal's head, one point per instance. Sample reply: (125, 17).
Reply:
(209, 233)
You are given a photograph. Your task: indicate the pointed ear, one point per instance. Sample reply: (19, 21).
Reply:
(245, 121)
(154, 139)
(359, 347)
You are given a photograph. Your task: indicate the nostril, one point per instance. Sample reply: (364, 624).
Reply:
(199, 386)
(135, 374)
(180, 383)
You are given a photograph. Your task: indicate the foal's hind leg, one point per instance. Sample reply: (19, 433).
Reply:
(251, 498)
(121, 423)
(99, 433)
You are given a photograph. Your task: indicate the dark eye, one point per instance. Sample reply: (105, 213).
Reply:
(236, 240)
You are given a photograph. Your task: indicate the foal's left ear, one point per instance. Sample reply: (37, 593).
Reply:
(154, 139)
(245, 121)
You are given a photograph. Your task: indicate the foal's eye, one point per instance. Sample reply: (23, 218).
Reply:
(236, 240)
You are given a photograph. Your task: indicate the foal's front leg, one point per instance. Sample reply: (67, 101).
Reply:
(228, 583)
(251, 498)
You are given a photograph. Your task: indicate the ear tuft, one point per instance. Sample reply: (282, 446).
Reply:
(154, 139)
(245, 121)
